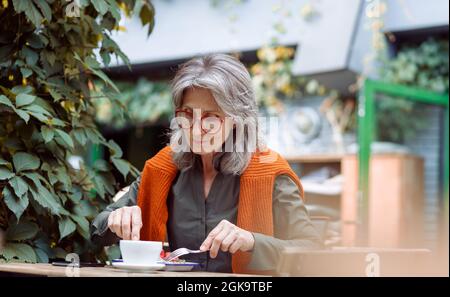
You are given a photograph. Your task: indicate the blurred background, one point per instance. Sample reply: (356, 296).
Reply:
(309, 61)
(359, 90)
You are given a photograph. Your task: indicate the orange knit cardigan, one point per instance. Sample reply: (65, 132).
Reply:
(255, 197)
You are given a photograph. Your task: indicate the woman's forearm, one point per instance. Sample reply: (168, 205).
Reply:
(100, 232)
(292, 227)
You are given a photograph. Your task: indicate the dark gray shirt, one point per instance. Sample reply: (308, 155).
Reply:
(192, 217)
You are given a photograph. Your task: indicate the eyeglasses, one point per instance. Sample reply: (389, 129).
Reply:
(209, 123)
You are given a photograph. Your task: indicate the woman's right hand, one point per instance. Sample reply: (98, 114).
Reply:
(126, 222)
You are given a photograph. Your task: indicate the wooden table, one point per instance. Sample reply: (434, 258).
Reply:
(355, 261)
(107, 271)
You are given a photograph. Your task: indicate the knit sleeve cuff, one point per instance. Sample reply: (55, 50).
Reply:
(262, 254)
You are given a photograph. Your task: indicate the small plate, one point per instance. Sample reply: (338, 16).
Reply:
(183, 266)
(137, 267)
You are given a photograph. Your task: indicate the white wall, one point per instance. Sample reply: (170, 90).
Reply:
(337, 39)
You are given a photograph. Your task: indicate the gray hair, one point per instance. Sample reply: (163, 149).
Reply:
(231, 86)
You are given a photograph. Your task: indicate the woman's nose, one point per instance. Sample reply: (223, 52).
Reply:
(197, 126)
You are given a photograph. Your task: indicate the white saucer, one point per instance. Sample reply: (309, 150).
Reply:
(139, 267)
(183, 266)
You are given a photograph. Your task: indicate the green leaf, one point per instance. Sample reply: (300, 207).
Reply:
(46, 199)
(83, 225)
(115, 150)
(19, 185)
(3, 162)
(43, 243)
(76, 197)
(113, 252)
(122, 165)
(85, 209)
(101, 6)
(80, 136)
(45, 9)
(5, 173)
(21, 231)
(36, 109)
(24, 99)
(106, 57)
(92, 62)
(20, 251)
(37, 41)
(98, 73)
(30, 11)
(94, 136)
(48, 56)
(23, 115)
(5, 101)
(99, 187)
(114, 9)
(30, 55)
(63, 176)
(36, 178)
(147, 16)
(39, 116)
(25, 161)
(16, 204)
(105, 78)
(47, 133)
(65, 137)
(57, 122)
(26, 72)
(22, 89)
(101, 165)
(42, 256)
(59, 253)
(66, 227)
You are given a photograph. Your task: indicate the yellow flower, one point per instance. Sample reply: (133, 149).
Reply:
(261, 54)
(99, 37)
(24, 81)
(11, 77)
(68, 106)
(283, 53)
(120, 28)
(5, 3)
(274, 67)
(266, 54)
(279, 51)
(287, 89)
(124, 8)
(256, 69)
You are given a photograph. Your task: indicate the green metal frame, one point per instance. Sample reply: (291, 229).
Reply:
(366, 132)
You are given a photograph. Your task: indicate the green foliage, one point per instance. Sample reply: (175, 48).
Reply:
(47, 68)
(139, 103)
(423, 66)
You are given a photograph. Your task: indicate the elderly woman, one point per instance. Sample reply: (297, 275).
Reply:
(238, 202)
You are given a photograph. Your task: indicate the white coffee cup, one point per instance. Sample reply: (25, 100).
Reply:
(140, 252)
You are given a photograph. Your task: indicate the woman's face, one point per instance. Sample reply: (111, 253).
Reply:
(209, 128)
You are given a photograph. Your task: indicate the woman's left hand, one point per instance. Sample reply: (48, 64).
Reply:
(228, 237)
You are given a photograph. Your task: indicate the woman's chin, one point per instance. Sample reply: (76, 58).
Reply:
(202, 152)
